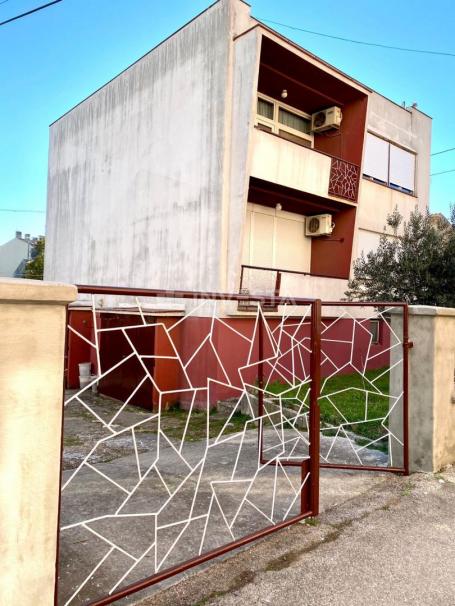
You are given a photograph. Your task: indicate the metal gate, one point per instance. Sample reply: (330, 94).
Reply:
(227, 420)
(363, 397)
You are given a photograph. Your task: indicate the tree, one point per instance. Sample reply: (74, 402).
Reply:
(35, 267)
(447, 269)
(416, 267)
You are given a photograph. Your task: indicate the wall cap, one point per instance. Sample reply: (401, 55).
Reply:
(36, 291)
(429, 310)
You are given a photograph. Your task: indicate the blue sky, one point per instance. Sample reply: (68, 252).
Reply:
(54, 58)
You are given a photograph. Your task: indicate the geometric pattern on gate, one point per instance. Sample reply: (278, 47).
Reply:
(185, 497)
(361, 397)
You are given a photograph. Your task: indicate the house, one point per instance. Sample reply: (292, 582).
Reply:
(14, 255)
(229, 159)
(207, 154)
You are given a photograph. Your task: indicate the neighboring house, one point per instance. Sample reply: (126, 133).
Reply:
(210, 152)
(224, 155)
(14, 255)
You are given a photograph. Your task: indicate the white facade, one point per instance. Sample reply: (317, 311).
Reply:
(13, 256)
(135, 189)
(150, 177)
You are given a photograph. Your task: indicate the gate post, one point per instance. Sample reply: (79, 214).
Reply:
(32, 320)
(431, 387)
(314, 421)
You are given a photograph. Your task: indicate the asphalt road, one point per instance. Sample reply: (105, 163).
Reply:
(392, 545)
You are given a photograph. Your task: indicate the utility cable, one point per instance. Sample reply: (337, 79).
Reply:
(443, 172)
(34, 10)
(363, 42)
(444, 151)
(20, 210)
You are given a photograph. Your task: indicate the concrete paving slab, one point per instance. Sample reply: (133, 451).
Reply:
(161, 493)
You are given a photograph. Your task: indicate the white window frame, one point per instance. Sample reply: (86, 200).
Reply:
(375, 333)
(388, 183)
(274, 123)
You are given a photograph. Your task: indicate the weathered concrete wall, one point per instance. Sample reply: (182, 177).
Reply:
(32, 316)
(431, 387)
(327, 289)
(245, 75)
(378, 201)
(148, 177)
(135, 183)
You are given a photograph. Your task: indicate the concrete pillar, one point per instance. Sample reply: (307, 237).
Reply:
(431, 386)
(32, 323)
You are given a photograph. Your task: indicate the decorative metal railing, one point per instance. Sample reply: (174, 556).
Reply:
(171, 475)
(364, 391)
(200, 429)
(344, 179)
(343, 176)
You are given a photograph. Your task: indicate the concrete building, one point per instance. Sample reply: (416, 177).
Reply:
(14, 255)
(214, 152)
(226, 159)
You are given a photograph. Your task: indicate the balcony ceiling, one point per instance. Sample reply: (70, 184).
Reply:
(309, 87)
(291, 200)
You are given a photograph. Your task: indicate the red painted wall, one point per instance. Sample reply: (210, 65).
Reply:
(220, 358)
(78, 350)
(115, 347)
(168, 373)
(347, 142)
(331, 255)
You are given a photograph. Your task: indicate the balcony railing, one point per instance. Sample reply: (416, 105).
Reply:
(259, 280)
(278, 282)
(344, 179)
(289, 164)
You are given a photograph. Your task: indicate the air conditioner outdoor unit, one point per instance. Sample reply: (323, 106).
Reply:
(319, 225)
(326, 119)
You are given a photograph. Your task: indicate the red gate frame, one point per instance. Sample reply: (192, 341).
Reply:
(309, 505)
(407, 345)
(309, 502)
(314, 416)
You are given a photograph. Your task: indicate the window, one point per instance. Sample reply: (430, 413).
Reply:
(374, 330)
(275, 238)
(376, 162)
(389, 164)
(284, 121)
(265, 108)
(367, 241)
(402, 169)
(293, 121)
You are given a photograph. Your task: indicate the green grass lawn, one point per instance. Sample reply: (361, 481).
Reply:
(345, 405)
(347, 402)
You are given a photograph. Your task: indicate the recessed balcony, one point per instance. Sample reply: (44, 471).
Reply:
(286, 163)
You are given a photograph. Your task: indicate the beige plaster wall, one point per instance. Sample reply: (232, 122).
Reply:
(431, 388)
(32, 317)
(444, 404)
